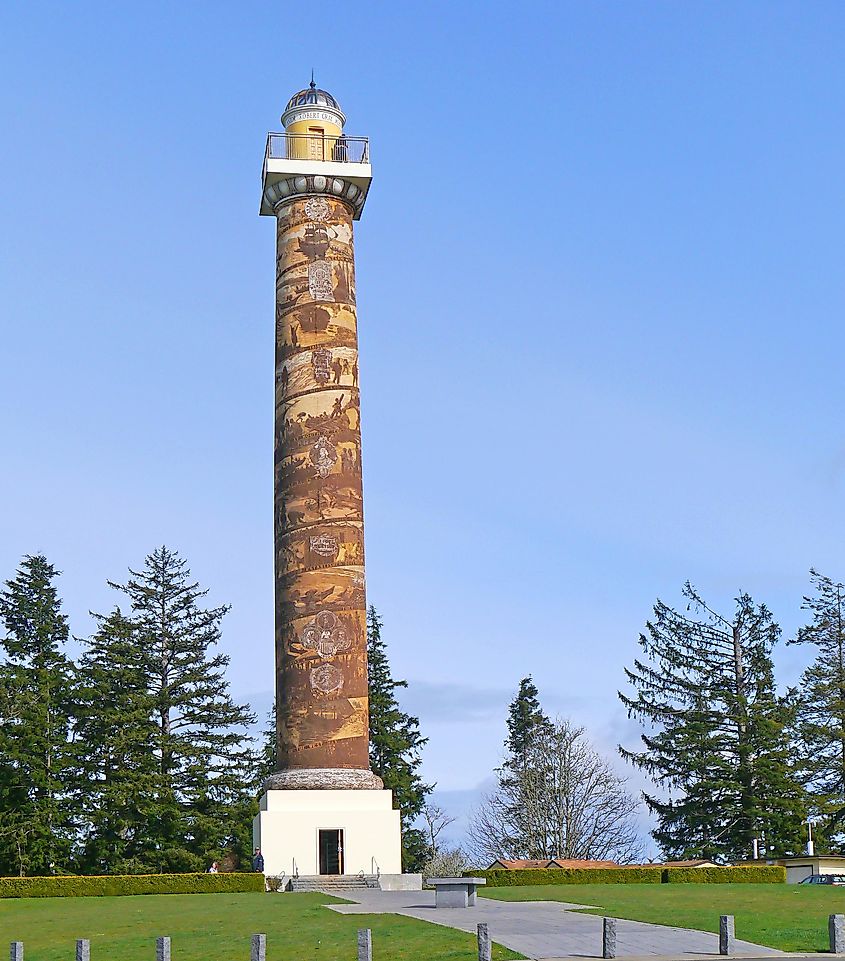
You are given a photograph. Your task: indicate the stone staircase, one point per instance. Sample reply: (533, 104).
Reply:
(333, 883)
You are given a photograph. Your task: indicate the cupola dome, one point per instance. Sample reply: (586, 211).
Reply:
(313, 103)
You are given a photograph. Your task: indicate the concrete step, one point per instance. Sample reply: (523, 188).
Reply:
(330, 883)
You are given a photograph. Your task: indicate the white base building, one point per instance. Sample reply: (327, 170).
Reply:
(342, 832)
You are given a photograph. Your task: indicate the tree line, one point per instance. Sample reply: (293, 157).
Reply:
(134, 757)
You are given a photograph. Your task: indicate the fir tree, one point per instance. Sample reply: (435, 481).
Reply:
(525, 721)
(36, 710)
(116, 734)
(820, 706)
(206, 768)
(395, 745)
(717, 734)
(267, 746)
(520, 777)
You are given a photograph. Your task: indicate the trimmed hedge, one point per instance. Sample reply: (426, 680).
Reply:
(751, 874)
(756, 874)
(501, 879)
(72, 886)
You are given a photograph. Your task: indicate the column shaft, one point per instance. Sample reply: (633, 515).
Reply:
(321, 648)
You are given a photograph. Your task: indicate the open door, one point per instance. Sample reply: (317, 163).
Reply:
(331, 851)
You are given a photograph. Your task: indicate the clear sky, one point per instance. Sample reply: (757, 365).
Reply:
(600, 298)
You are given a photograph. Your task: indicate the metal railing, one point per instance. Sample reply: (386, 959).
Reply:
(305, 146)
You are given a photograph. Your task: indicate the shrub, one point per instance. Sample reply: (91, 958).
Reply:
(749, 874)
(498, 879)
(448, 863)
(71, 886)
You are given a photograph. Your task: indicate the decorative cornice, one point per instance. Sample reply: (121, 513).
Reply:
(305, 185)
(324, 779)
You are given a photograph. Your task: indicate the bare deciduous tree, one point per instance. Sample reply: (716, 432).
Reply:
(563, 801)
(436, 821)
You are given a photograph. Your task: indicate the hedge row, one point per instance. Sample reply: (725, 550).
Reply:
(502, 879)
(752, 874)
(71, 886)
(764, 874)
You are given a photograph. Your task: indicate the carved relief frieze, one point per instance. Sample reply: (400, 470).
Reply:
(316, 208)
(326, 545)
(321, 361)
(326, 679)
(323, 456)
(321, 604)
(320, 280)
(326, 635)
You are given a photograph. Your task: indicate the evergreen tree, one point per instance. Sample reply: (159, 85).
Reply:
(525, 721)
(395, 745)
(36, 710)
(521, 815)
(206, 769)
(520, 777)
(717, 736)
(116, 734)
(820, 705)
(267, 746)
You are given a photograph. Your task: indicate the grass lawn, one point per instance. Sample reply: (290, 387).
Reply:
(218, 927)
(791, 917)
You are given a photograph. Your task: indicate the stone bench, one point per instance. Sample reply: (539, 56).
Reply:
(455, 892)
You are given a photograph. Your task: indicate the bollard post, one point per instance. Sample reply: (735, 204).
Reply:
(162, 949)
(836, 930)
(484, 951)
(83, 950)
(727, 934)
(259, 948)
(365, 944)
(16, 951)
(608, 938)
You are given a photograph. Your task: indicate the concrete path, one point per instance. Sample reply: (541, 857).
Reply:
(545, 929)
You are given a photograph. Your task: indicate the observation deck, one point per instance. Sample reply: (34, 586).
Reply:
(294, 155)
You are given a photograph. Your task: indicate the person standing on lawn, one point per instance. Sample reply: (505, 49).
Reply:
(258, 861)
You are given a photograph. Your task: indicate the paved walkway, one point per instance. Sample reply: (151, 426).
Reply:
(545, 929)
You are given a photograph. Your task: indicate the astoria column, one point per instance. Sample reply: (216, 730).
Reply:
(323, 811)
(321, 639)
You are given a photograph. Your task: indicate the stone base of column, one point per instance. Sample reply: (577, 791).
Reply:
(324, 779)
(293, 827)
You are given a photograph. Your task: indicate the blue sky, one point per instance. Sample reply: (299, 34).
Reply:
(600, 301)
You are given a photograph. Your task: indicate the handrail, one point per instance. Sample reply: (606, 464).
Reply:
(295, 869)
(306, 146)
(374, 865)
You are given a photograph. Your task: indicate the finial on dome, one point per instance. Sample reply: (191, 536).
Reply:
(313, 85)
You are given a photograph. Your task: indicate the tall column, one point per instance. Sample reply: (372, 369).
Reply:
(321, 647)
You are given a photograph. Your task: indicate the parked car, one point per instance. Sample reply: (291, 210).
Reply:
(824, 879)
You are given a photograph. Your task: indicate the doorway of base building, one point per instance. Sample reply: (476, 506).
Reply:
(331, 851)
